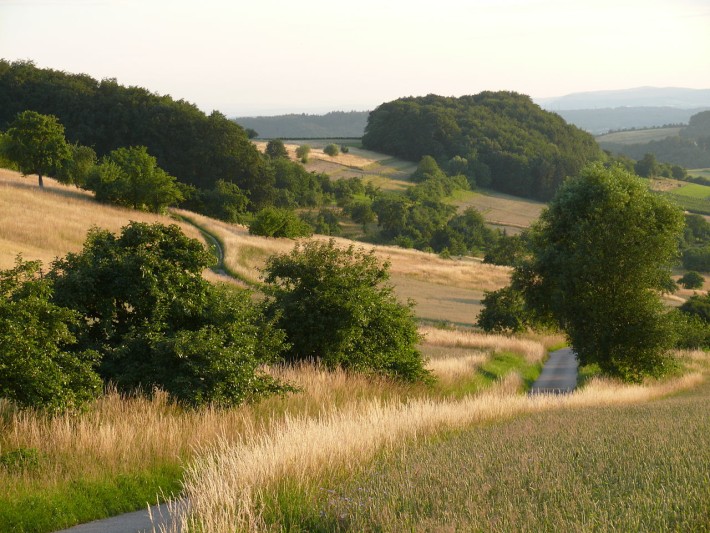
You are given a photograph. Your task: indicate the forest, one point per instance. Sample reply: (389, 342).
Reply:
(509, 143)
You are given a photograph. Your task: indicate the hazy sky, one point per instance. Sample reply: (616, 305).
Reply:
(274, 56)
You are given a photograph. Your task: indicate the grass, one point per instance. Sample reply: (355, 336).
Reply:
(639, 136)
(506, 212)
(615, 468)
(280, 481)
(693, 190)
(48, 224)
(700, 172)
(126, 450)
(691, 204)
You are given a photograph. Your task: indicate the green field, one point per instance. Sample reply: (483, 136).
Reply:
(638, 136)
(692, 197)
(700, 172)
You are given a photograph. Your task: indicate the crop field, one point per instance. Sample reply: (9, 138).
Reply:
(638, 136)
(693, 190)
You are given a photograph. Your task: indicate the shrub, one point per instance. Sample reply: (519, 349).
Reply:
(692, 280)
(157, 323)
(302, 152)
(275, 149)
(331, 149)
(337, 307)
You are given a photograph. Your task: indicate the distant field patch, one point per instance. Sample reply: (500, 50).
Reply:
(700, 172)
(693, 190)
(638, 136)
(507, 212)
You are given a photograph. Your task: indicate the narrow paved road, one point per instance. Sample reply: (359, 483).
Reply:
(559, 374)
(138, 522)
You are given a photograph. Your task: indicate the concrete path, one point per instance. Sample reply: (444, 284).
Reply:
(138, 522)
(559, 374)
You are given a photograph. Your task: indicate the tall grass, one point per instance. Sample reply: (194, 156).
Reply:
(229, 484)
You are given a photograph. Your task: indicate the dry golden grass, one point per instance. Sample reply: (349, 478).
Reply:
(48, 224)
(227, 482)
(508, 212)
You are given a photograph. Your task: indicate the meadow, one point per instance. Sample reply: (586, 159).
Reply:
(638, 136)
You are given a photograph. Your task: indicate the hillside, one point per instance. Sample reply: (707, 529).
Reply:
(302, 126)
(508, 142)
(601, 121)
(445, 290)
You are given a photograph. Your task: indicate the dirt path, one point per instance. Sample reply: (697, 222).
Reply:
(559, 374)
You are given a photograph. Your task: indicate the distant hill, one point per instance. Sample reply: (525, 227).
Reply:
(599, 121)
(334, 124)
(638, 97)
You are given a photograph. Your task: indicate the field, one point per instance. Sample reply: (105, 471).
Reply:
(500, 210)
(350, 452)
(638, 136)
(700, 172)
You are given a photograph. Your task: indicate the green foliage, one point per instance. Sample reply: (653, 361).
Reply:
(337, 307)
(40, 365)
(601, 252)
(302, 152)
(131, 177)
(295, 186)
(697, 258)
(325, 222)
(198, 149)
(275, 149)
(508, 250)
(699, 306)
(36, 144)
(20, 459)
(157, 323)
(77, 169)
(361, 212)
(692, 280)
(647, 166)
(503, 311)
(276, 222)
(331, 149)
(225, 201)
(509, 142)
(427, 168)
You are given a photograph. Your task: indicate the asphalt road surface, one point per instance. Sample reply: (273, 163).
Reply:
(559, 374)
(138, 522)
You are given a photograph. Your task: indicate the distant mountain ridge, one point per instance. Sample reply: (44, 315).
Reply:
(294, 126)
(604, 120)
(677, 97)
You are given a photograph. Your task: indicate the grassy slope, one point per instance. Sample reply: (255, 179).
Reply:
(638, 136)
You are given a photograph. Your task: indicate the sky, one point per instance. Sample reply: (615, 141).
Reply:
(267, 57)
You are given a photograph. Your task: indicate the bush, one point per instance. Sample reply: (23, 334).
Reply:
(157, 323)
(697, 258)
(275, 222)
(40, 365)
(337, 307)
(331, 149)
(275, 149)
(302, 153)
(503, 311)
(692, 280)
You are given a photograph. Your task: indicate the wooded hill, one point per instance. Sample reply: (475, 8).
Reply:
(509, 143)
(195, 148)
(336, 124)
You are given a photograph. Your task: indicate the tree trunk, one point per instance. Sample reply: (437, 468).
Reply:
(41, 183)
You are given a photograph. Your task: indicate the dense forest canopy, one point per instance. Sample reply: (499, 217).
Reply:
(507, 140)
(195, 148)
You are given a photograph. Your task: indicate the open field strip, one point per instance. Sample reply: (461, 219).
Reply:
(700, 172)
(693, 190)
(230, 485)
(639, 136)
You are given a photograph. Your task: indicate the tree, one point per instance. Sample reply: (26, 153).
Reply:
(302, 152)
(156, 322)
(275, 149)
(504, 311)
(40, 366)
(36, 144)
(78, 167)
(426, 169)
(275, 222)
(337, 307)
(331, 149)
(692, 280)
(601, 253)
(131, 177)
(647, 167)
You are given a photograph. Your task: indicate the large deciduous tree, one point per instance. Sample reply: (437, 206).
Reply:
(601, 256)
(36, 143)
